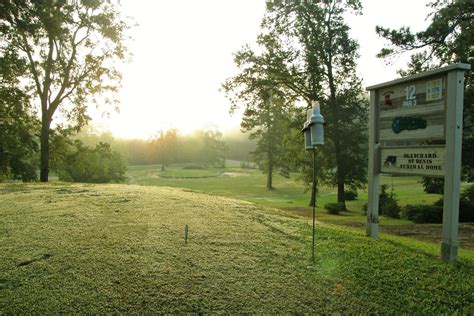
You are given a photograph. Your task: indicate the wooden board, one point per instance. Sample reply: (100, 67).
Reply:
(413, 111)
(425, 161)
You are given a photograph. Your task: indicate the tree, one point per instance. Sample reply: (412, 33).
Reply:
(164, 147)
(18, 145)
(268, 122)
(267, 105)
(18, 124)
(69, 48)
(447, 39)
(81, 163)
(212, 149)
(313, 57)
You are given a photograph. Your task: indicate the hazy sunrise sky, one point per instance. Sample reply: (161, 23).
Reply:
(182, 52)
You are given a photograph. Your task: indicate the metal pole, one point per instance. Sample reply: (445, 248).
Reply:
(313, 198)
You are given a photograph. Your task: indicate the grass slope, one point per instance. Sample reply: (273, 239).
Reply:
(119, 248)
(250, 186)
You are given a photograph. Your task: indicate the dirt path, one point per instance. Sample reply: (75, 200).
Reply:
(424, 232)
(432, 233)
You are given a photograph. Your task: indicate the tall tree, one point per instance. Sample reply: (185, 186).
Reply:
(314, 58)
(165, 147)
(264, 102)
(212, 148)
(18, 124)
(448, 39)
(70, 48)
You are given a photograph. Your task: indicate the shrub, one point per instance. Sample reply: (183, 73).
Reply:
(433, 185)
(388, 203)
(423, 213)
(96, 165)
(335, 208)
(364, 208)
(350, 195)
(466, 204)
(391, 209)
(468, 194)
(194, 167)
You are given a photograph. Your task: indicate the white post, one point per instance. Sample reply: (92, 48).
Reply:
(452, 179)
(372, 228)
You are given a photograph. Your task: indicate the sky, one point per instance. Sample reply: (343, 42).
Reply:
(183, 51)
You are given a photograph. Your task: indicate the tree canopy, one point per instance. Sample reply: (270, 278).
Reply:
(448, 39)
(70, 49)
(308, 54)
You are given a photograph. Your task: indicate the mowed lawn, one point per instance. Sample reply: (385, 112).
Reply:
(76, 248)
(288, 193)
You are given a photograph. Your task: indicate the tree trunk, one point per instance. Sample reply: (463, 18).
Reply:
(44, 156)
(162, 167)
(270, 172)
(270, 176)
(341, 198)
(339, 173)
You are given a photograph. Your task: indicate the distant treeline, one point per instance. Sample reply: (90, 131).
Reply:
(207, 147)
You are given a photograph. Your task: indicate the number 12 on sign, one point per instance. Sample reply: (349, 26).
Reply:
(410, 97)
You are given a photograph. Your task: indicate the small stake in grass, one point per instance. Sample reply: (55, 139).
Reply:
(186, 232)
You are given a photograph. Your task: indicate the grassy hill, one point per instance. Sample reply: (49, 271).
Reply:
(76, 248)
(290, 196)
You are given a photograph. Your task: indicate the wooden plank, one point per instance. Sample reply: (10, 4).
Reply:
(452, 180)
(431, 132)
(372, 226)
(413, 95)
(425, 74)
(424, 161)
(434, 108)
(413, 110)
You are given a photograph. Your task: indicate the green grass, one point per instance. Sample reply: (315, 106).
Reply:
(76, 248)
(288, 193)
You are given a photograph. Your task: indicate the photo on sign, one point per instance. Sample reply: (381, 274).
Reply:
(434, 90)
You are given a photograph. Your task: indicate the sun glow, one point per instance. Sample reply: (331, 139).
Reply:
(182, 52)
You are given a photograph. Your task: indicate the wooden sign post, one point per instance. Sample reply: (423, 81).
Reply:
(416, 128)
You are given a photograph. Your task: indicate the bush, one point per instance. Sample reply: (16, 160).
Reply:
(335, 208)
(350, 195)
(468, 194)
(433, 185)
(95, 165)
(388, 203)
(423, 213)
(391, 209)
(364, 208)
(194, 167)
(466, 205)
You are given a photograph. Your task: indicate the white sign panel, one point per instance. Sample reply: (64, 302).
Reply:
(426, 161)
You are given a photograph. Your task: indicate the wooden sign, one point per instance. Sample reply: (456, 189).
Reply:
(428, 161)
(413, 111)
(410, 111)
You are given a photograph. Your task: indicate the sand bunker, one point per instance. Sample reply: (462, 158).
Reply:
(235, 174)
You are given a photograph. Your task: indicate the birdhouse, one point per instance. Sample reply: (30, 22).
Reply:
(307, 132)
(316, 124)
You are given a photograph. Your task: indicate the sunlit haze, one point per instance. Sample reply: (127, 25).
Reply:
(182, 52)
